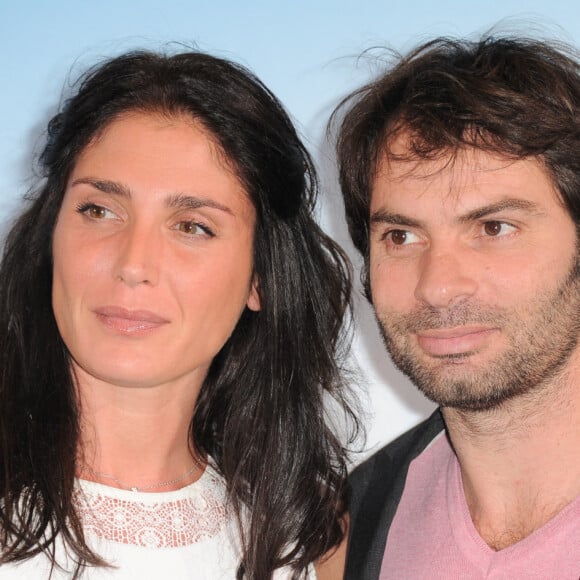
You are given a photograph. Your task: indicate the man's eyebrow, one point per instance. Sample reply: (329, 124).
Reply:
(185, 201)
(104, 185)
(384, 216)
(504, 204)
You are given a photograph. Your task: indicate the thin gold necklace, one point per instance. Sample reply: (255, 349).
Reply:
(128, 487)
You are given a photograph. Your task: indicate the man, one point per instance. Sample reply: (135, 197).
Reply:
(460, 169)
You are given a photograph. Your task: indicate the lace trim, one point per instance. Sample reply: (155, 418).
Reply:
(154, 520)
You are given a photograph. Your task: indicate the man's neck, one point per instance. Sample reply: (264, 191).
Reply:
(520, 463)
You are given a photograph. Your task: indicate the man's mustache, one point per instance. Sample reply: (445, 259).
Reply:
(429, 318)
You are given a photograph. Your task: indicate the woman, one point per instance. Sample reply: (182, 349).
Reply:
(170, 316)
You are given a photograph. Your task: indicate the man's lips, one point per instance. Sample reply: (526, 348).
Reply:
(129, 321)
(454, 341)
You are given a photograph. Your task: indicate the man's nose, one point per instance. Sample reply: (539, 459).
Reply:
(445, 277)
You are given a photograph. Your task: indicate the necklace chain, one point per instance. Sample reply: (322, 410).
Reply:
(125, 486)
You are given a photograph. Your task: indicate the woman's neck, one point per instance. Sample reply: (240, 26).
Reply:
(138, 436)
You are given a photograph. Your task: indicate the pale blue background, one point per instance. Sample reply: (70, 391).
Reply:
(306, 52)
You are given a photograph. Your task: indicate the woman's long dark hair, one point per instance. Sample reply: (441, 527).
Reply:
(260, 412)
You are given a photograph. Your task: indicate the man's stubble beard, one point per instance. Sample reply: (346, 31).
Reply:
(542, 336)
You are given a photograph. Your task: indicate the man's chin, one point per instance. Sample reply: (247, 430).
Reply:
(455, 381)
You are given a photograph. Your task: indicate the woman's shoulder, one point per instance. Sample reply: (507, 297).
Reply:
(180, 518)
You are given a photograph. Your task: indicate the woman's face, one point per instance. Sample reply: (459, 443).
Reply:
(152, 253)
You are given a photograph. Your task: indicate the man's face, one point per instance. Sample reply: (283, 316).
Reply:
(474, 276)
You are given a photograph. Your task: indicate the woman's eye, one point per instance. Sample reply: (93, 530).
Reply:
(496, 228)
(192, 228)
(94, 211)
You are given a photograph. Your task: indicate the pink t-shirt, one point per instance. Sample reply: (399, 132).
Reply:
(432, 535)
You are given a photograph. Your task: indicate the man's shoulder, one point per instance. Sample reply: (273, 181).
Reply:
(376, 488)
(400, 452)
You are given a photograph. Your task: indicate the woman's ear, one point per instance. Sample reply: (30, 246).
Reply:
(253, 302)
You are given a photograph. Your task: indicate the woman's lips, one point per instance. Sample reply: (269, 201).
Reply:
(128, 321)
(454, 341)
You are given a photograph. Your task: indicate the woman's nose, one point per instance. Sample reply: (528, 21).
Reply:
(138, 256)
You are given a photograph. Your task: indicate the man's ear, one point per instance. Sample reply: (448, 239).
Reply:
(253, 302)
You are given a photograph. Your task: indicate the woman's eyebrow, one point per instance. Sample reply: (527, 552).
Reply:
(186, 201)
(104, 185)
(177, 200)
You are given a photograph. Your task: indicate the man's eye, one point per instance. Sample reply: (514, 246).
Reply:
(398, 237)
(401, 237)
(496, 228)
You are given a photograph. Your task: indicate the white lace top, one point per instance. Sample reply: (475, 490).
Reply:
(178, 535)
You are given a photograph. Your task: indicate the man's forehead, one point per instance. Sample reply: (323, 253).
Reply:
(399, 163)
(405, 156)
(464, 179)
